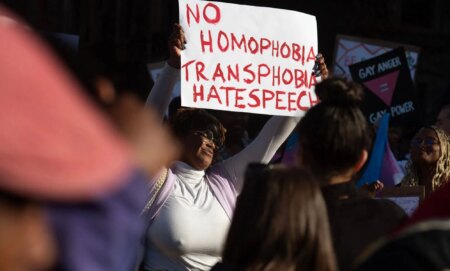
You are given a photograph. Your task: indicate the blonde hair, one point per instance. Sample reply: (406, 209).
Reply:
(442, 170)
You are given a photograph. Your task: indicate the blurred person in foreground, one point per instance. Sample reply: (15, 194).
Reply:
(333, 144)
(69, 183)
(422, 243)
(280, 223)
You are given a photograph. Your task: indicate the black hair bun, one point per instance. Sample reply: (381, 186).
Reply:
(339, 92)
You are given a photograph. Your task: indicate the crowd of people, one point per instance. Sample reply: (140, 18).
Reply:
(104, 182)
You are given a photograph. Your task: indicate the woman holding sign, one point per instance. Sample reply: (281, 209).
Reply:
(192, 202)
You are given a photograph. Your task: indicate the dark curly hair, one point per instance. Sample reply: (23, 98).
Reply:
(188, 119)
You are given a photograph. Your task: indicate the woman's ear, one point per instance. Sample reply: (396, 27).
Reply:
(362, 160)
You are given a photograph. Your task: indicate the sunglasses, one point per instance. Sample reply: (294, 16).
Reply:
(208, 134)
(427, 142)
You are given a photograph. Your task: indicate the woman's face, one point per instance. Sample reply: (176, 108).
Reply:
(425, 147)
(199, 149)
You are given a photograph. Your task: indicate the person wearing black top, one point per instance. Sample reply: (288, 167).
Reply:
(357, 220)
(333, 144)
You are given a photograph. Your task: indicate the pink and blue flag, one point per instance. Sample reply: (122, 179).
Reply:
(382, 164)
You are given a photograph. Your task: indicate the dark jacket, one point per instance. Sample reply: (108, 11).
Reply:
(424, 247)
(357, 220)
(225, 267)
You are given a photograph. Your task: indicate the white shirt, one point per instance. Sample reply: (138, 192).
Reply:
(191, 227)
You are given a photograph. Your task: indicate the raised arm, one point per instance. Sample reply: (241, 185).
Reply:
(161, 92)
(159, 97)
(273, 134)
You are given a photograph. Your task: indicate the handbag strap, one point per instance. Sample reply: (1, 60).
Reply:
(155, 191)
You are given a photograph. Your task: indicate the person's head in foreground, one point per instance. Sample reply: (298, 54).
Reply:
(333, 134)
(200, 134)
(430, 159)
(69, 185)
(280, 223)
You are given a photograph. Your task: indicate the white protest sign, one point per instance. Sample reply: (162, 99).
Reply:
(248, 59)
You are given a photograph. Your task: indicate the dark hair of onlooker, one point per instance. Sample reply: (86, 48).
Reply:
(280, 223)
(333, 133)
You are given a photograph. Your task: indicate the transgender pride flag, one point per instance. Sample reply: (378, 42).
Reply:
(382, 164)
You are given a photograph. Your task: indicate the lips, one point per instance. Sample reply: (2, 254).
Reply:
(208, 151)
(421, 152)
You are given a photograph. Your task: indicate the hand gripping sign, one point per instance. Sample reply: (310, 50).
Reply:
(248, 59)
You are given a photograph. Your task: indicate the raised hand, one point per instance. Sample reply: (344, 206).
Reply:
(320, 68)
(177, 42)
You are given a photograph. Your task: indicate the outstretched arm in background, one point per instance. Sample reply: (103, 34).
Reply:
(273, 134)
